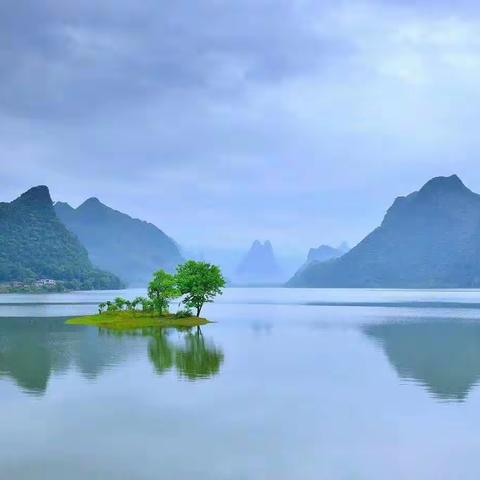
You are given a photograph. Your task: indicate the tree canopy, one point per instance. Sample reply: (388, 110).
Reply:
(199, 283)
(162, 289)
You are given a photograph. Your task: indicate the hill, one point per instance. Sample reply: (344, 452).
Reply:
(34, 244)
(259, 265)
(130, 248)
(323, 253)
(428, 239)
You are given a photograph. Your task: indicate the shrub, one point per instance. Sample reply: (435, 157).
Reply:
(184, 313)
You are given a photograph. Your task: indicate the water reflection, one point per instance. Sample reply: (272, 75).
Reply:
(193, 357)
(443, 355)
(32, 349)
(197, 358)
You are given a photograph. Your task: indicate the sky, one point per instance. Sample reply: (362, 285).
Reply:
(222, 122)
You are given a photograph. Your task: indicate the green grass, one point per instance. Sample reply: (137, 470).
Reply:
(129, 321)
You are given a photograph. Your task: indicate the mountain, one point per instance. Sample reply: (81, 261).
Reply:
(130, 248)
(322, 253)
(259, 264)
(428, 239)
(34, 244)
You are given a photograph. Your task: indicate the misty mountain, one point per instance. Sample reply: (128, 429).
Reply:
(259, 265)
(428, 239)
(34, 244)
(323, 253)
(132, 249)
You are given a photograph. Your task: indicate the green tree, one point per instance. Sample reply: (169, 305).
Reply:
(200, 283)
(136, 302)
(111, 307)
(161, 290)
(120, 303)
(147, 305)
(101, 307)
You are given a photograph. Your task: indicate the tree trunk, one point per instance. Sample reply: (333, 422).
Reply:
(198, 311)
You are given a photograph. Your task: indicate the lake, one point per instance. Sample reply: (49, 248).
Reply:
(287, 384)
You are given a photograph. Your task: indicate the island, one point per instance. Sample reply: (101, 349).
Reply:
(130, 321)
(195, 282)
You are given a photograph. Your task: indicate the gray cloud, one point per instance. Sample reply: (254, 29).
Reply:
(74, 59)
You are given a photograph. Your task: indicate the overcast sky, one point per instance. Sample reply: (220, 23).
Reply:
(224, 121)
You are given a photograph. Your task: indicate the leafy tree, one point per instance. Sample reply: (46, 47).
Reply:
(200, 283)
(136, 302)
(111, 307)
(147, 305)
(101, 307)
(161, 290)
(120, 303)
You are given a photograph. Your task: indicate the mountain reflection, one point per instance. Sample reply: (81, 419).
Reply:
(31, 349)
(442, 355)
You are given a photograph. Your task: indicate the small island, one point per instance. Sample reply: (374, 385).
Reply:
(130, 321)
(196, 283)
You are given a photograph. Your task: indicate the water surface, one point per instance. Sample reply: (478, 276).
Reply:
(288, 384)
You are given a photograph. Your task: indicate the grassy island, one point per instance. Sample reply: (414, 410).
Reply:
(197, 282)
(132, 320)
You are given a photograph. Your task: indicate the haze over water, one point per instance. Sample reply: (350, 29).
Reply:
(306, 384)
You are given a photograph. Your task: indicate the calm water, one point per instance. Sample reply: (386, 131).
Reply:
(288, 384)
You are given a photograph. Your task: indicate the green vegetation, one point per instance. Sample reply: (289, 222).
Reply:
(197, 282)
(124, 320)
(161, 290)
(35, 245)
(18, 287)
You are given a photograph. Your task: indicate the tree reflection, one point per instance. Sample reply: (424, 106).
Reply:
(198, 358)
(194, 358)
(161, 352)
(32, 349)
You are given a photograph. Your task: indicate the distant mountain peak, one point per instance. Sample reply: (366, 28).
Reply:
(444, 184)
(131, 248)
(35, 244)
(63, 205)
(428, 239)
(322, 253)
(36, 195)
(259, 264)
(91, 202)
